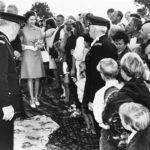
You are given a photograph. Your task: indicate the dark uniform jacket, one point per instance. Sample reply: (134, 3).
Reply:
(103, 48)
(9, 81)
(141, 141)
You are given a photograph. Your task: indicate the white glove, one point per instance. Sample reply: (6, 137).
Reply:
(8, 112)
(30, 47)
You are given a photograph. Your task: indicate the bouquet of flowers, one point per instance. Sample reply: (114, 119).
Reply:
(39, 44)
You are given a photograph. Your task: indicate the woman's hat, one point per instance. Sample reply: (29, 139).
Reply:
(12, 17)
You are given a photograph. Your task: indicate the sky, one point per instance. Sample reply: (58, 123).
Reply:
(74, 7)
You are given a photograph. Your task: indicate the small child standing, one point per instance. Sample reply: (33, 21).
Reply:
(136, 118)
(80, 83)
(108, 69)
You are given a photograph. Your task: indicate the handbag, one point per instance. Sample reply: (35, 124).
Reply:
(45, 55)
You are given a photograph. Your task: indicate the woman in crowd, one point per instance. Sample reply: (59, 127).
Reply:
(69, 45)
(50, 28)
(121, 41)
(47, 31)
(32, 66)
(78, 31)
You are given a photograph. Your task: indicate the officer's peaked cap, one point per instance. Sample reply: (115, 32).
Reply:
(12, 17)
(96, 20)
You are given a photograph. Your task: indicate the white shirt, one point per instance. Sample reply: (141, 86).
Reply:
(98, 103)
(49, 38)
(79, 49)
(79, 53)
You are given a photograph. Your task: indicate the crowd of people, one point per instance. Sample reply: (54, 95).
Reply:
(101, 69)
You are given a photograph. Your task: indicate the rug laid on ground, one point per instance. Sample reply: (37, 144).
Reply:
(33, 133)
(69, 136)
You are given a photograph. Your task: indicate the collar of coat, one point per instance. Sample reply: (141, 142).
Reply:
(97, 39)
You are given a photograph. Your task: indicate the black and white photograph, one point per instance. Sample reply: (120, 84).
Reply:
(74, 75)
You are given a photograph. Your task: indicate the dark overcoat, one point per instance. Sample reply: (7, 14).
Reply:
(9, 80)
(9, 91)
(103, 48)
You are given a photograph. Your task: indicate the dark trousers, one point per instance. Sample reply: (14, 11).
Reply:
(6, 134)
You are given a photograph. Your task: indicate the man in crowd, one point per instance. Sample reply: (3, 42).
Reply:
(58, 35)
(100, 48)
(132, 30)
(110, 12)
(144, 34)
(116, 19)
(17, 50)
(9, 81)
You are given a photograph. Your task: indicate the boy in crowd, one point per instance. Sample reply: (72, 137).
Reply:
(136, 118)
(108, 69)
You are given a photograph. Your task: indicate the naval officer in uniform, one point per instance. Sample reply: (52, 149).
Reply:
(9, 81)
(100, 48)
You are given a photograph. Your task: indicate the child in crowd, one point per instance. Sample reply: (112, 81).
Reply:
(136, 118)
(80, 83)
(108, 69)
(134, 90)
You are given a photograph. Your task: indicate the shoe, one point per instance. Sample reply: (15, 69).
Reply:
(32, 105)
(37, 103)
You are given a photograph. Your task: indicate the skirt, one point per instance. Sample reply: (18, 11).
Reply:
(32, 66)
